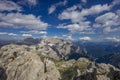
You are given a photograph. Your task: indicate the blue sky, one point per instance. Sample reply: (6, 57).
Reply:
(68, 19)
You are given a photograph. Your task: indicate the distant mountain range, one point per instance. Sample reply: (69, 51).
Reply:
(99, 49)
(103, 52)
(113, 59)
(26, 41)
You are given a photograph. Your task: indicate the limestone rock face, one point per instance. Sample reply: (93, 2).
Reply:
(107, 72)
(99, 72)
(10, 52)
(51, 71)
(57, 48)
(27, 65)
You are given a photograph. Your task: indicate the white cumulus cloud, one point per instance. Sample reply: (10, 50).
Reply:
(18, 20)
(27, 35)
(2, 33)
(110, 22)
(54, 6)
(28, 2)
(86, 38)
(77, 27)
(12, 34)
(84, 1)
(116, 39)
(52, 9)
(80, 23)
(68, 37)
(76, 15)
(9, 34)
(115, 2)
(34, 32)
(6, 5)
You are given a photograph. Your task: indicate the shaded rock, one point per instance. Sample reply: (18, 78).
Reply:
(3, 75)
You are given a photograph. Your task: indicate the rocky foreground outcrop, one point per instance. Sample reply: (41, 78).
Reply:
(99, 72)
(26, 63)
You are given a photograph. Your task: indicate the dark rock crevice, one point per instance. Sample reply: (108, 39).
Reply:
(3, 75)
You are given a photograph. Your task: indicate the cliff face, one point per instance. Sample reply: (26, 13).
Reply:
(38, 63)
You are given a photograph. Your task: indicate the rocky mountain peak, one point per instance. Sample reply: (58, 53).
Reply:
(46, 61)
(58, 48)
